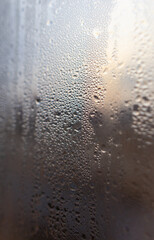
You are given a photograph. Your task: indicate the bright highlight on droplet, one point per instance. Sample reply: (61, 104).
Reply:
(96, 32)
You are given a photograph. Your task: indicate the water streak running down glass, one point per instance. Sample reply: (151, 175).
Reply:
(76, 120)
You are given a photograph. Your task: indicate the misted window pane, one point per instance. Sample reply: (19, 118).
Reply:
(76, 120)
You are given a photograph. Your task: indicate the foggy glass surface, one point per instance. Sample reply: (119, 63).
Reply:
(76, 120)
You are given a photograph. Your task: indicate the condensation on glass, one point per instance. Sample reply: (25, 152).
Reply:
(76, 120)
